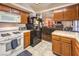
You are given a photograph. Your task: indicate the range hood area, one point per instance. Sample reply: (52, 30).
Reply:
(9, 17)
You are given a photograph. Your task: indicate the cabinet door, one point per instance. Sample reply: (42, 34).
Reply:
(15, 11)
(24, 18)
(65, 49)
(56, 47)
(78, 11)
(70, 12)
(26, 39)
(5, 8)
(76, 51)
(58, 14)
(75, 48)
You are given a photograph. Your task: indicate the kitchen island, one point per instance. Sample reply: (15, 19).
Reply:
(65, 43)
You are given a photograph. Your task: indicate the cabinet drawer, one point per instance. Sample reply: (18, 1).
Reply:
(27, 34)
(54, 37)
(67, 40)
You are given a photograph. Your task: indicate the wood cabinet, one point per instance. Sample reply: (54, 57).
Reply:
(58, 14)
(5, 8)
(65, 46)
(66, 49)
(9, 9)
(61, 45)
(75, 46)
(24, 17)
(15, 11)
(70, 12)
(78, 11)
(26, 39)
(56, 47)
(67, 13)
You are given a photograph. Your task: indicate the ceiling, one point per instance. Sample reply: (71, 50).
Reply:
(42, 6)
(36, 7)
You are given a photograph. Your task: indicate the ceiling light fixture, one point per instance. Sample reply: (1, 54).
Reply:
(37, 3)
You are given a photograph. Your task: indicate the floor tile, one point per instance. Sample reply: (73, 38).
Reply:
(44, 48)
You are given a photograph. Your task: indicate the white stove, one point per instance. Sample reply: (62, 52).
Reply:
(4, 36)
(5, 42)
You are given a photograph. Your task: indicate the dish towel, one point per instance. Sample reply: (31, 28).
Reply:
(25, 53)
(14, 44)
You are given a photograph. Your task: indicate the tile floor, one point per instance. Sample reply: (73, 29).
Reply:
(44, 48)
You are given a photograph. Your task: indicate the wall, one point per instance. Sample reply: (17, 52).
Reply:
(67, 23)
(10, 26)
(47, 14)
(2, 25)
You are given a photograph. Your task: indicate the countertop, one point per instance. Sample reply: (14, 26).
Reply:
(2, 39)
(74, 35)
(25, 31)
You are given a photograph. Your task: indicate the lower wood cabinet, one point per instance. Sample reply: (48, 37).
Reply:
(26, 39)
(61, 45)
(56, 47)
(75, 49)
(65, 49)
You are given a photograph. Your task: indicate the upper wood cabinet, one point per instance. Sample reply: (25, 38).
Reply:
(67, 13)
(70, 12)
(24, 17)
(58, 14)
(15, 11)
(9, 9)
(78, 10)
(5, 8)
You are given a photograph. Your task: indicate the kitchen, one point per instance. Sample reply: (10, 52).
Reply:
(39, 31)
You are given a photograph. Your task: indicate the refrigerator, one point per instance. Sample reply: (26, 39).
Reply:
(76, 25)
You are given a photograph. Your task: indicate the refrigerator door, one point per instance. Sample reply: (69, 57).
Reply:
(76, 25)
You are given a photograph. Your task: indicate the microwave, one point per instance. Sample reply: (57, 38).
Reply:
(9, 17)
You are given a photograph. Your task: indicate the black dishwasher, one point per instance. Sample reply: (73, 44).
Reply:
(35, 38)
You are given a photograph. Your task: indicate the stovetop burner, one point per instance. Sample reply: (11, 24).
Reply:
(6, 34)
(16, 32)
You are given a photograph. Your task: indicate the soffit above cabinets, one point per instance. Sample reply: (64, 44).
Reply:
(36, 7)
(42, 6)
(45, 6)
(19, 7)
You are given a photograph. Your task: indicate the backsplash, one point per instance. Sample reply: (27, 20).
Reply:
(2, 25)
(67, 23)
(10, 26)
